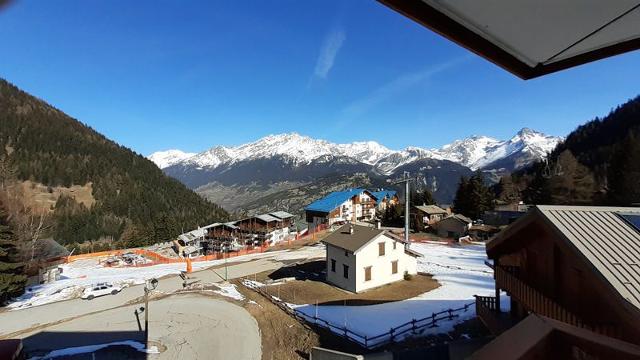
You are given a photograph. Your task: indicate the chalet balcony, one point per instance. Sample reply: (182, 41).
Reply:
(534, 301)
(496, 321)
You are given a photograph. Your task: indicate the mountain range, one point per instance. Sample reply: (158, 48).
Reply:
(475, 152)
(236, 176)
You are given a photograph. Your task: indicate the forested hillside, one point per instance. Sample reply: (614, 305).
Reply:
(598, 163)
(135, 203)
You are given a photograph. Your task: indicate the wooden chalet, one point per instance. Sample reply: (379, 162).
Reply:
(263, 223)
(578, 265)
(222, 231)
(426, 215)
(286, 219)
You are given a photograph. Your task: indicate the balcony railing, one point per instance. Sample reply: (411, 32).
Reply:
(496, 322)
(534, 301)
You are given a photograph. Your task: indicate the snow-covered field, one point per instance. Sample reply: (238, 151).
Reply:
(459, 269)
(78, 275)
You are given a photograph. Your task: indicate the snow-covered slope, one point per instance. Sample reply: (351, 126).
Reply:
(474, 152)
(296, 148)
(478, 152)
(169, 157)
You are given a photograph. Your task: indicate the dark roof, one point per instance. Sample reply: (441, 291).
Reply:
(412, 252)
(361, 235)
(531, 38)
(10, 348)
(333, 200)
(599, 235)
(431, 209)
(458, 217)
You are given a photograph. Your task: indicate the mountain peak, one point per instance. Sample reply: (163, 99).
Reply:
(474, 152)
(169, 157)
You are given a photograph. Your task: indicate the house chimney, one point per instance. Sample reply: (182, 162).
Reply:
(351, 229)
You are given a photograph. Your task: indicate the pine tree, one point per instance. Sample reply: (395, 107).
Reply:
(623, 175)
(507, 191)
(461, 202)
(571, 183)
(427, 197)
(12, 280)
(473, 196)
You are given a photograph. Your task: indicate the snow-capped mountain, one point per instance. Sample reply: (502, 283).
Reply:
(277, 165)
(482, 152)
(475, 152)
(296, 148)
(169, 157)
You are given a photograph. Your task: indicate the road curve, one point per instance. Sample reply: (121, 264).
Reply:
(188, 326)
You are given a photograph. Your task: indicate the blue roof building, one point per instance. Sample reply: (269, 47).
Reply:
(342, 206)
(333, 200)
(383, 194)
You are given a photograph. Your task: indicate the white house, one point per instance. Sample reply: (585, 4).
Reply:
(362, 257)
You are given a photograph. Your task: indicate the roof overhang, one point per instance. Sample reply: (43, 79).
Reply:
(532, 38)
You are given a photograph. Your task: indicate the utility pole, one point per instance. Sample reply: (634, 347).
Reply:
(226, 271)
(148, 287)
(407, 200)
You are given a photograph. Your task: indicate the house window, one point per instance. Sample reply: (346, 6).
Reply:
(381, 249)
(394, 245)
(394, 267)
(333, 265)
(345, 271)
(367, 273)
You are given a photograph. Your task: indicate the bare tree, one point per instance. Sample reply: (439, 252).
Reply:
(30, 223)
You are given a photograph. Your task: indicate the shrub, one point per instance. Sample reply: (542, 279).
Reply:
(407, 276)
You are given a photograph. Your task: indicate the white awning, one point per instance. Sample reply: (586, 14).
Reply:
(531, 38)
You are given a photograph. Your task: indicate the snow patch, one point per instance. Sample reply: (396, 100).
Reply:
(229, 290)
(459, 269)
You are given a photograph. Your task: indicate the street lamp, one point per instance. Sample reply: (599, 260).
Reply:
(150, 285)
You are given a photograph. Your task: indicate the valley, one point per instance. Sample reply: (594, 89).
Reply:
(286, 171)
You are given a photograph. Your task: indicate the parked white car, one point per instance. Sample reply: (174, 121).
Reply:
(100, 290)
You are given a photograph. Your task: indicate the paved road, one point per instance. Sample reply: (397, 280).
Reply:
(188, 326)
(12, 323)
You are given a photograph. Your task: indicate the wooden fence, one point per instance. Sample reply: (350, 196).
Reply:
(538, 303)
(161, 259)
(394, 334)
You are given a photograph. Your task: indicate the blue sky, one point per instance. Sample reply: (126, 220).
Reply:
(155, 75)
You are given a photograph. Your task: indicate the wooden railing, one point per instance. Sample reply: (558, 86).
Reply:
(534, 301)
(414, 327)
(497, 322)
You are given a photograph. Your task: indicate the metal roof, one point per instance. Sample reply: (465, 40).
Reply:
(603, 238)
(382, 194)
(532, 38)
(281, 214)
(230, 224)
(343, 239)
(458, 217)
(333, 200)
(431, 209)
(266, 218)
